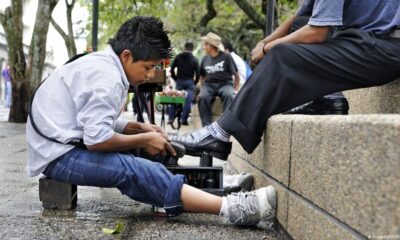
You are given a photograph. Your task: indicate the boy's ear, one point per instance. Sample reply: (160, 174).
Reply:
(126, 55)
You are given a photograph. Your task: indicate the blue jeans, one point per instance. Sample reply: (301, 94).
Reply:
(140, 179)
(188, 86)
(8, 93)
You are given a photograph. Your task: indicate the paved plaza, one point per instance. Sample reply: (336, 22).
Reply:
(22, 215)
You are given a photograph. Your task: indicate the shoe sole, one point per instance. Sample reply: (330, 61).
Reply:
(333, 112)
(193, 152)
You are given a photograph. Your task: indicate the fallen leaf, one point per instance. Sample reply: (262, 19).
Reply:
(118, 229)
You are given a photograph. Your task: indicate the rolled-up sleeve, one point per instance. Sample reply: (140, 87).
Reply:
(98, 113)
(327, 13)
(120, 125)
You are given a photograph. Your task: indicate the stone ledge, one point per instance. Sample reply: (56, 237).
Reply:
(382, 99)
(345, 165)
(300, 219)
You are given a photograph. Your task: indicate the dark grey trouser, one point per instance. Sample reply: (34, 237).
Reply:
(292, 74)
(302, 21)
(207, 93)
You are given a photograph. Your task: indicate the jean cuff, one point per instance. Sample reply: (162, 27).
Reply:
(172, 202)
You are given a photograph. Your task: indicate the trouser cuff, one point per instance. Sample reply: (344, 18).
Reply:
(172, 203)
(232, 125)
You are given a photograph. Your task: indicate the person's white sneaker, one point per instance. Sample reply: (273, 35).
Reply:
(249, 208)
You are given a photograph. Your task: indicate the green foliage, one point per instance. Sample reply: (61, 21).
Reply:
(231, 23)
(286, 9)
(182, 21)
(113, 13)
(182, 18)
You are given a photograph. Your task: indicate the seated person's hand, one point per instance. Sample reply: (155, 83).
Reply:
(256, 54)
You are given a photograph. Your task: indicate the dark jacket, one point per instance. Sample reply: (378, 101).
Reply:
(187, 66)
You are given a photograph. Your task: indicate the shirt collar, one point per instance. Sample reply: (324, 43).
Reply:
(109, 51)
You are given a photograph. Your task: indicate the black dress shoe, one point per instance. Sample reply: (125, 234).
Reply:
(201, 143)
(323, 106)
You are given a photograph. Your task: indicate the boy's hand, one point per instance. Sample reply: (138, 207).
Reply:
(154, 128)
(156, 144)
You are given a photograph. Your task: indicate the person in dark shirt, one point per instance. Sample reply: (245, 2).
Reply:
(298, 67)
(216, 77)
(187, 70)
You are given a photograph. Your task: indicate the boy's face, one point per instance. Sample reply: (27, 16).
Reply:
(137, 72)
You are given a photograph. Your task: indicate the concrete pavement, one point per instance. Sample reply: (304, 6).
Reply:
(22, 215)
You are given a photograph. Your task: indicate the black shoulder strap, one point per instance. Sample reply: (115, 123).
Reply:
(78, 142)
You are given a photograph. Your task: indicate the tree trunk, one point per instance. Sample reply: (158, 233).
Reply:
(11, 21)
(37, 51)
(21, 75)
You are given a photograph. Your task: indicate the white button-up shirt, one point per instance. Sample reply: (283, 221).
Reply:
(80, 100)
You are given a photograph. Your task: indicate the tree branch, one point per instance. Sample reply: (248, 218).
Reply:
(68, 38)
(71, 41)
(71, 5)
(251, 13)
(211, 13)
(59, 29)
(2, 19)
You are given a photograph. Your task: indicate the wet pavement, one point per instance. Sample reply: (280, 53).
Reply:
(22, 215)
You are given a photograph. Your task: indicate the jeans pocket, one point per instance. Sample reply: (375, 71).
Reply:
(62, 173)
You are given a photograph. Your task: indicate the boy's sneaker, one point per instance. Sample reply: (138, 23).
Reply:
(249, 208)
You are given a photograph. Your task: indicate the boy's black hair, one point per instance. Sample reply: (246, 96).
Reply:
(189, 46)
(145, 37)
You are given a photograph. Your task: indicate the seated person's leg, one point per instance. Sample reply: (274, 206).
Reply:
(292, 74)
(207, 93)
(227, 94)
(334, 103)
